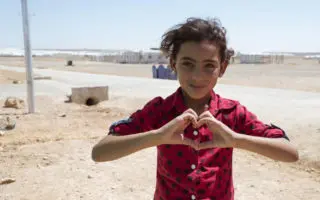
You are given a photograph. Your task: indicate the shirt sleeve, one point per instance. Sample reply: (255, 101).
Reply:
(142, 120)
(248, 123)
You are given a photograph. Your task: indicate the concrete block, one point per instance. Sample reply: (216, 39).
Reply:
(90, 95)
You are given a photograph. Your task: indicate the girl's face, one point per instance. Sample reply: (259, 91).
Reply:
(198, 67)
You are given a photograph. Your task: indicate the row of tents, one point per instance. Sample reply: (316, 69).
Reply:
(163, 72)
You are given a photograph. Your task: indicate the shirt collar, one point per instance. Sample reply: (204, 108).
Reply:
(216, 103)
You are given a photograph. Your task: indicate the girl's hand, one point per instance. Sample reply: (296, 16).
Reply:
(172, 132)
(223, 136)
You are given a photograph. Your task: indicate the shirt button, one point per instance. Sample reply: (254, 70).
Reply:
(193, 197)
(195, 132)
(193, 166)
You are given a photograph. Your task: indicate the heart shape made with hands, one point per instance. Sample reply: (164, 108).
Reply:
(223, 136)
(205, 118)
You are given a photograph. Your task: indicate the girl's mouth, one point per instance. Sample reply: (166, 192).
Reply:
(197, 86)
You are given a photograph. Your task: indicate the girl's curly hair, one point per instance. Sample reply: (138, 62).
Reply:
(197, 30)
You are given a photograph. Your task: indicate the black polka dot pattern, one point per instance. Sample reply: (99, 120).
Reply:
(183, 171)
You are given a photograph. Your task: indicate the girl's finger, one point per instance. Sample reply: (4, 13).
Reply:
(192, 112)
(188, 117)
(204, 121)
(195, 116)
(205, 114)
(189, 142)
(209, 121)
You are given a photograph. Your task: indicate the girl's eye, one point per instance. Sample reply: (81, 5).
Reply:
(187, 64)
(210, 66)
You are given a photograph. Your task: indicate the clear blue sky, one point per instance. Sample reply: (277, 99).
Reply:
(270, 25)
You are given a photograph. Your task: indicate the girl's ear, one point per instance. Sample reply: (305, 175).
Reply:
(223, 68)
(173, 64)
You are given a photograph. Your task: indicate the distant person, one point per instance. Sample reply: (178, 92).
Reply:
(194, 129)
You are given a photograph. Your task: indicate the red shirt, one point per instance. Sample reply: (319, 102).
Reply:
(182, 172)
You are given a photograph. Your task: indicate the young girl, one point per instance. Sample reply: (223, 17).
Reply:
(195, 129)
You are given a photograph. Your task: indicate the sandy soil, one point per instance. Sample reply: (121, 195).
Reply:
(48, 153)
(7, 77)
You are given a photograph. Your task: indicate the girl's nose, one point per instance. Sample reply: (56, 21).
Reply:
(197, 74)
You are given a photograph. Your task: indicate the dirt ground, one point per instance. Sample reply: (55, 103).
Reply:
(7, 77)
(294, 74)
(48, 153)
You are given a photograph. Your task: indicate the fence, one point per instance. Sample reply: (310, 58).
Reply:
(261, 59)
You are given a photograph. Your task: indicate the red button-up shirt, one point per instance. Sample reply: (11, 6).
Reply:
(182, 172)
